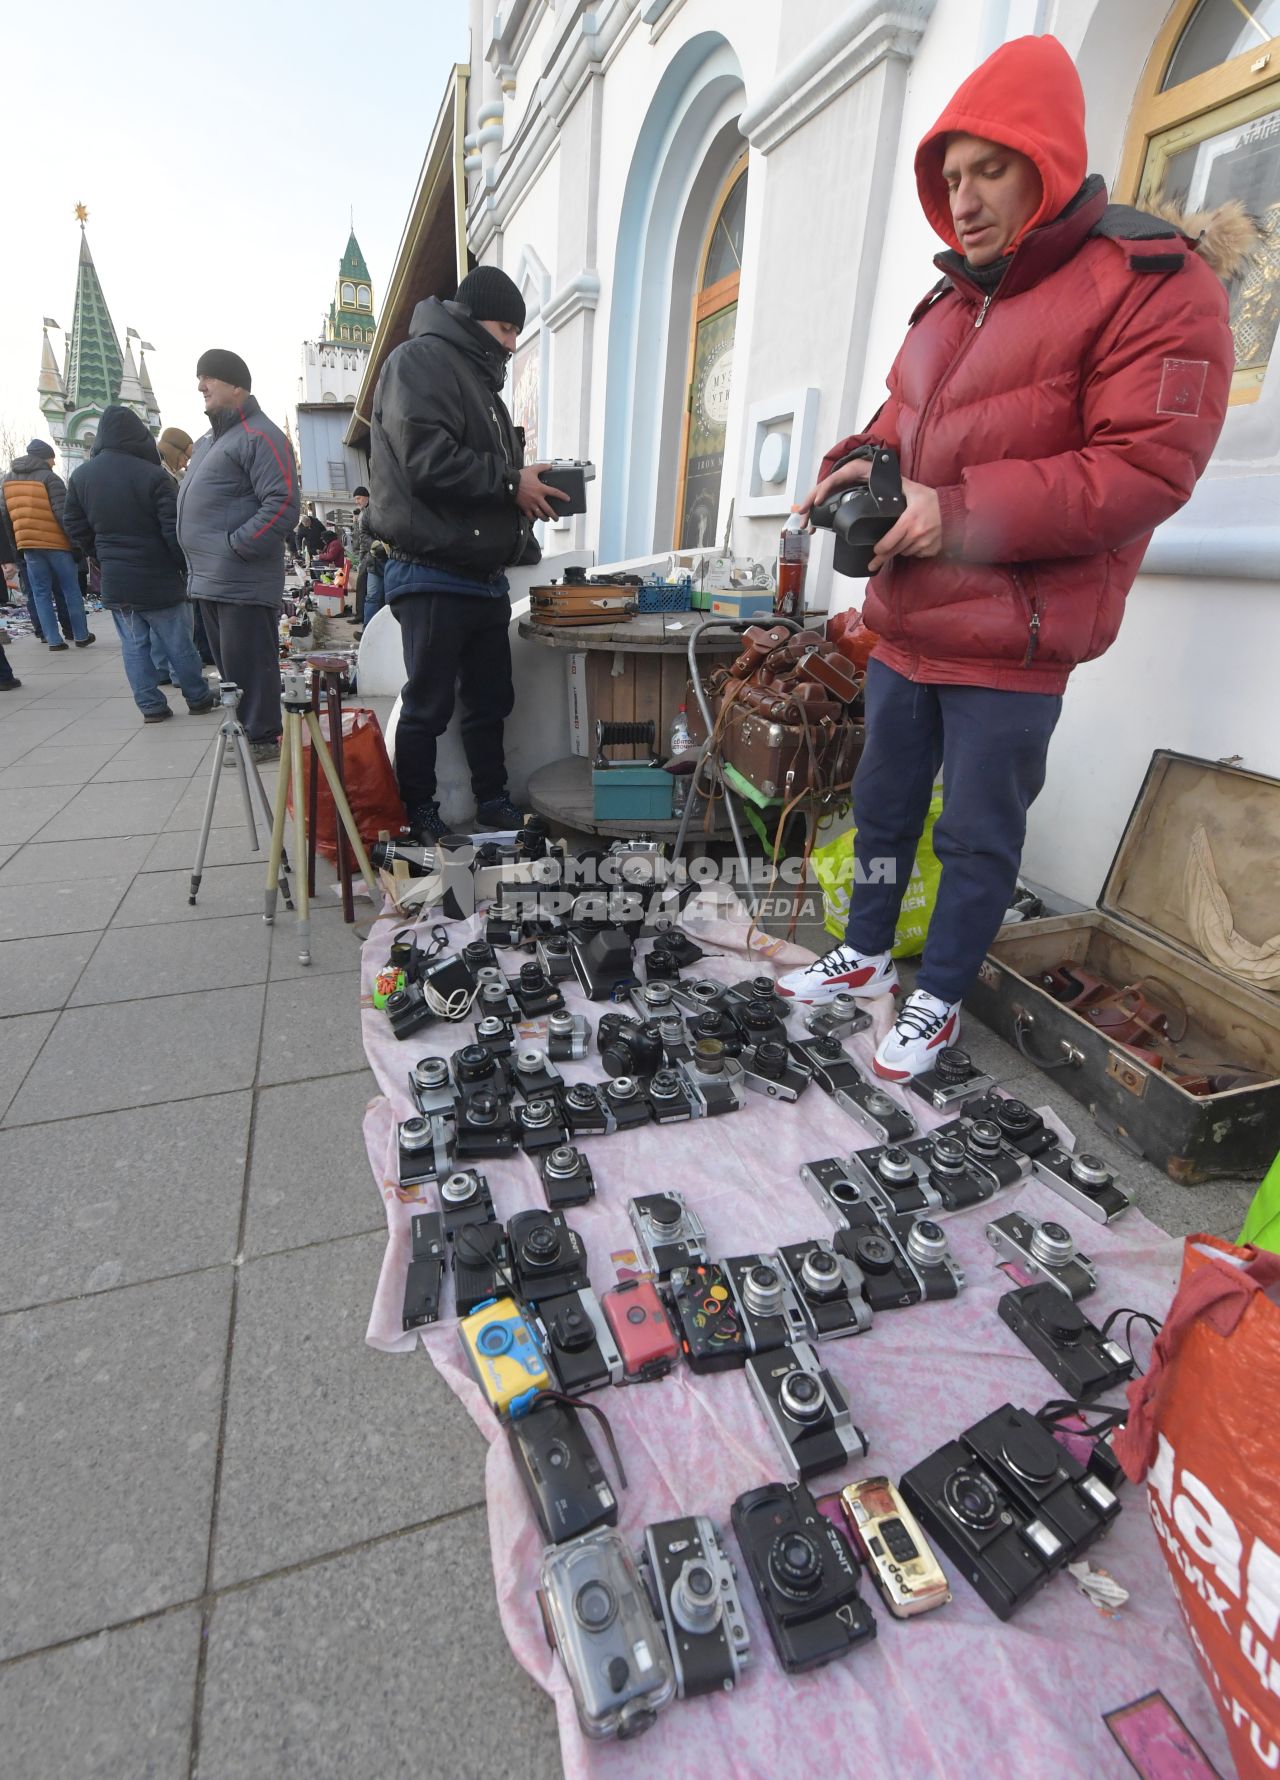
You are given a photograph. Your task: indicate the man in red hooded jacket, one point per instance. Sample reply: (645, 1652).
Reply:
(1057, 396)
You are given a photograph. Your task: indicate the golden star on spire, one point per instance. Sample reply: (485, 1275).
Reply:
(82, 214)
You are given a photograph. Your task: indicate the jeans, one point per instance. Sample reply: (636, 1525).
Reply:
(47, 569)
(170, 628)
(374, 591)
(453, 640)
(992, 748)
(159, 654)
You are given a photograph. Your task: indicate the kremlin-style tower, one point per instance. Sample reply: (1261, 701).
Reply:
(97, 373)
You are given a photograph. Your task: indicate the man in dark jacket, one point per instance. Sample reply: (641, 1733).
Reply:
(121, 509)
(237, 504)
(1057, 396)
(456, 507)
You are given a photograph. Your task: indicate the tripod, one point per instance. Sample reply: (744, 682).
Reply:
(296, 700)
(231, 736)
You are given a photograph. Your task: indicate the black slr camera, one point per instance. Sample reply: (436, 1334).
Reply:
(861, 516)
(628, 1047)
(547, 1257)
(804, 1575)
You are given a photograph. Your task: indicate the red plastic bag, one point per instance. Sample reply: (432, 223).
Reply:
(851, 637)
(1204, 1431)
(368, 776)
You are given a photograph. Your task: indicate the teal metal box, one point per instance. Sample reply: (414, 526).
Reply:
(631, 793)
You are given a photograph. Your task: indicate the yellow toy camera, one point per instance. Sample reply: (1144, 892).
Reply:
(504, 1356)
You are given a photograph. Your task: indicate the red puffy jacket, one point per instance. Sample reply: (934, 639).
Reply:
(1060, 419)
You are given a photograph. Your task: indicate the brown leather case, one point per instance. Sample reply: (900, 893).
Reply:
(775, 756)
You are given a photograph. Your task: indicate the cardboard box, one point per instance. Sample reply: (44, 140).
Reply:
(729, 602)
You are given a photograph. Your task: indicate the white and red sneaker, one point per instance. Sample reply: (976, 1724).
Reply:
(841, 971)
(924, 1027)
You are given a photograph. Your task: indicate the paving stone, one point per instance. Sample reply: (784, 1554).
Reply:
(228, 811)
(20, 1039)
(61, 905)
(341, 1670)
(309, 1175)
(111, 1410)
(26, 729)
(101, 810)
(132, 963)
(156, 897)
(141, 1053)
(116, 1706)
(43, 862)
(326, 1441)
(51, 765)
(312, 1028)
(175, 849)
(162, 1197)
(36, 974)
(25, 812)
(334, 945)
(133, 764)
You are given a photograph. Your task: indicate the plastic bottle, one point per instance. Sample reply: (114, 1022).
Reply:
(793, 560)
(681, 743)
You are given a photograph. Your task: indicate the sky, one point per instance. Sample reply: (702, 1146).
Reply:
(220, 152)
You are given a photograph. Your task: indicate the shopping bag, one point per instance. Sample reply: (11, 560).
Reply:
(369, 778)
(1262, 1225)
(1204, 1433)
(833, 865)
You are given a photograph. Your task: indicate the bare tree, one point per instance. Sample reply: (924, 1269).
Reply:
(12, 443)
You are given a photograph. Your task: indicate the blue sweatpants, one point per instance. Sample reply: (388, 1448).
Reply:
(991, 747)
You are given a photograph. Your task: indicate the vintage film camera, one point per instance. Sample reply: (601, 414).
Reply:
(564, 1479)
(541, 1125)
(431, 1087)
(465, 1199)
(838, 1018)
(423, 1149)
(769, 1068)
(838, 1075)
(547, 1256)
(504, 1357)
(887, 1536)
(578, 1342)
(1047, 1251)
(585, 1111)
(828, 1289)
(806, 1410)
(625, 1102)
(597, 1615)
(570, 475)
(639, 1326)
(952, 1079)
(765, 1301)
(1042, 1478)
(712, 1078)
(533, 1075)
(804, 1576)
(693, 1587)
(902, 1259)
(481, 1264)
(670, 1102)
(568, 1037)
(567, 1179)
(485, 1125)
(425, 1273)
(897, 1178)
(628, 1047)
(1020, 1126)
(860, 516)
(1084, 1181)
(535, 993)
(1054, 1328)
(668, 1232)
(710, 1329)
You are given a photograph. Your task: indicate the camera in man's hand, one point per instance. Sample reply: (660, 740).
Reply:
(862, 515)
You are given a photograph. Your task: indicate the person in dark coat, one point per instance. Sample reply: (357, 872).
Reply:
(455, 505)
(121, 509)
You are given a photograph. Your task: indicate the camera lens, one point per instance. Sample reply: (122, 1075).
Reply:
(704, 990)
(571, 1329)
(531, 977)
(490, 1027)
(927, 1243)
(820, 1273)
(695, 1599)
(477, 953)
(1052, 1245)
(761, 989)
(595, 1606)
(399, 999)
(708, 1055)
(666, 1213)
(873, 1252)
(472, 1063)
(842, 1006)
(431, 1072)
(971, 1499)
(771, 1059)
(802, 1397)
(541, 1247)
(953, 1065)
(876, 1103)
(494, 1339)
(665, 1085)
(1090, 1171)
(1014, 1117)
(530, 1062)
(493, 993)
(829, 1049)
(1060, 1318)
(483, 1108)
(458, 1189)
(948, 1154)
(756, 1016)
(622, 1087)
(536, 1115)
(560, 1025)
(562, 1161)
(555, 945)
(895, 1165)
(657, 995)
(556, 1455)
(581, 1097)
(711, 1023)
(795, 1564)
(984, 1137)
(762, 1290)
(415, 1136)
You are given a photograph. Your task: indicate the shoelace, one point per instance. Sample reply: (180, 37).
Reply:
(830, 964)
(920, 1021)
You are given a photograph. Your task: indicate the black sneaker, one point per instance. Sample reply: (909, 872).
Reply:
(500, 812)
(427, 824)
(208, 704)
(56, 648)
(84, 642)
(157, 716)
(9, 685)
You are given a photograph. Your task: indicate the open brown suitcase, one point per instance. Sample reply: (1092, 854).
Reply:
(777, 757)
(1139, 930)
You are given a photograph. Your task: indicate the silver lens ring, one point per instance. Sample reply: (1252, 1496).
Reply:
(415, 1135)
(1052, 1245)
(457, 1189)
(431, 1072)
(895, 1165)
(762, 1289)
(927, 1243)
(802, 1396)
(1090, 1171)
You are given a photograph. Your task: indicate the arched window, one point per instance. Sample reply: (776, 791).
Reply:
(363, 298)
(715, 313)
(348, 296)
(1205, 130)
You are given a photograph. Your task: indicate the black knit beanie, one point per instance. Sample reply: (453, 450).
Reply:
(227, 367)
(489, 295)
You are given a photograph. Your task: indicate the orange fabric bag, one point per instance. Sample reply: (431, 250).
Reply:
(369, 778)
(1204, 1431)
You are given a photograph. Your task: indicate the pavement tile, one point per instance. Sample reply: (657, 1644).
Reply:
(20, 1038)
(309, 1176)
(41, 862)
(7, 851)
(312, 1028)
(157, 897)
(25, 729)
(228, 811)
(112, 1707)
(105, 732)
(164, 1197)
(340, 1670)
(24, 812)
(141, 1053)
(175, 849)
(36, 974)
(132, 764)
(111, 1410)
(326, 1443)
(49, 764)
(101, 810)
(60, 905)
(334, 945)
(132, 963)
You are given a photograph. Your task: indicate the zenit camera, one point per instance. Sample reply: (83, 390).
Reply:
(887, 1536)
(952, 1078)
(628, 1047)
(693, 1587)
(669, 1233)
(669, 1099)
(804, 1576)
(1065, 1342)
(838, 1075)
(1042, 1479)
(579, 1343)
(828, 1289)
(765, 1301)
(805, 1408)
(1046, 1251)
(564, 1479)
(768, 1068)
(1005, 1553)
(597, 1615)
(465, 1199)
(481, 1264)
(567, 1179)
(1084, 1181)
(547, 1257)
(638, 1323)
(503, 1355)
(707, 1319)
(860, 516)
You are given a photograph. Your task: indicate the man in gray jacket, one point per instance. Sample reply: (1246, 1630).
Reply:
(238, 503)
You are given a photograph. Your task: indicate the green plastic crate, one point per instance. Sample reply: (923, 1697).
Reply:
(631, 794)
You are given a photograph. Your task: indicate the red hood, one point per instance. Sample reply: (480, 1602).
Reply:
(1027, 95)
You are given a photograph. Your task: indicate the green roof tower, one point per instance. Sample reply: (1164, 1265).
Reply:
(351, 311)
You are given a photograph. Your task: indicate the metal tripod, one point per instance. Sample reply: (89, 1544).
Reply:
(232, 738)
(296, 701)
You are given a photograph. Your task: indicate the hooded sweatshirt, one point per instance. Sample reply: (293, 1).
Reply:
(121, 509)
(1059, 416)
(33, 494)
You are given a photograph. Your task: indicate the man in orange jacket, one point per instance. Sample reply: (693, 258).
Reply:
(1057, 396)
(33, 495)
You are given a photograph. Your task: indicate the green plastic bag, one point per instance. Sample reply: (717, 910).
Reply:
(833, 867)
(1262, 1226)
